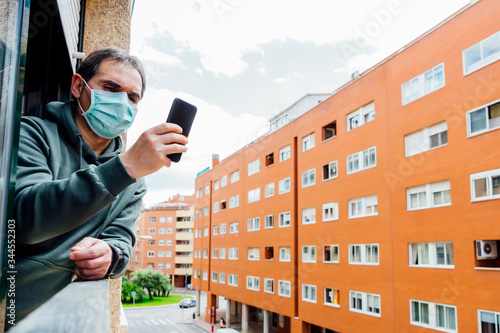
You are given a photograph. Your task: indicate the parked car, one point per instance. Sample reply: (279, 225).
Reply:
(187, 303)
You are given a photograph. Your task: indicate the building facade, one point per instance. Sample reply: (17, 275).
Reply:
(376, 210)
(165, 240)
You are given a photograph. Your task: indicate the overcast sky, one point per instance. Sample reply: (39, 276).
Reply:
(242, 61)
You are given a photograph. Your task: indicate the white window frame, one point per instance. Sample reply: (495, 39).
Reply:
(436, 255)
(253, 283)
(151, 231)
(233, 227)
(269, 190)
(364, 307)
(490, 177)
(362, 160)
(222, 253)
(284, 288)
(332, 247)
(222, 278)
(266, 284)
(232, 253)
(365, 206)
(253, 167)
(284, 185)
(232, 280)
(423, 140)
(269, 222)
(234, 176)
(216, 185)
(253, 254)
(490, 124)
(151, 254)
(215, 207)
(425, 195)
(215, 253)
(207, 189)
(362, 254)
(308, 178)
(234, 201)
(223, 181)
(308, 142)
(496, 319)
(418, 86)
(253, 224)
(329, 293)
(285, 220)
(160, 266)
(330, 174)
(284, 153)
(309, 253)
(361, 116)
(253, 195)
(205, 253)
(432, 315)
(222, 229)
(309, 215)
(214, 277)
(309, 293)
(161, 242)
(205, 275)
(330, 211)
(484, 60)
(215, 230)
(284, 253)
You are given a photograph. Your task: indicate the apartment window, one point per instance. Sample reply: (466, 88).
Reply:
(253, 283)
(363, 254)
(331, 254)
(234, 201)
(362, 207)
(233, 227)
(232, 280)
(162, 242)
(222, 228)
(284, 219)
(205, 210)
(284, 288)
(269, 221)
(253, 253)
(269, 190)
(361, 116)
(284, 153)
(309, 293)
(329, 131)
(253, 224)
(489, 322)
(330, 211)
(284, 185)
(330, 170)
(481, 54)
(160, 254)
(170, 219)
(253, 167)
(160, 266)
(284, 253)
(162, 219)
(205, 232)
(152, 219)
(431, 137)
(484, 119)
(162, 231)
(223, 205)
(309, 215)
(433, 315)
(308, 253)
(269, 159)
(151, 231)
(151, 254)
(168, 266)
(207, 189)
(222, 253)
(485, 185)
(254, 195)
(222, 278)
(168, 254)
(152, 242)
(308, 142)
(438, 255)
(423, 84)
(215, 253)
(332, 296)
(309, 178)
(214, 277)
(216, 185)
(223, 181)
(215, 208)
(233, 253)
(429, 195)
(269, 286)
(362, 160)
(205, 275)
(234, 176)
(169, 242)
(364, 303)
(205, 253)
(269, 253)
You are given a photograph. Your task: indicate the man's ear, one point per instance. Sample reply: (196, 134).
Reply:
(76, 85)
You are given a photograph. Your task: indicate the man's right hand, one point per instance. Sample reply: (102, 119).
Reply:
(149, 153)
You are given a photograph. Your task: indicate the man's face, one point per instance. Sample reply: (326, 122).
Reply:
(113, 77)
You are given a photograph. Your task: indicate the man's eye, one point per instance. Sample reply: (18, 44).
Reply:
(108, 88)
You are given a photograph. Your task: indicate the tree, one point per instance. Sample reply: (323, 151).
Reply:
(127, 289)
(152, 281)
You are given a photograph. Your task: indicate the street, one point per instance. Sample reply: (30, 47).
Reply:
(163, 319)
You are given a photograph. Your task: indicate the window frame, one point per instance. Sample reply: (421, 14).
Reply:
(489, 176)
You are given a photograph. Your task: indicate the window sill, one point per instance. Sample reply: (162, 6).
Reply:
(332, 305)
(487, 268)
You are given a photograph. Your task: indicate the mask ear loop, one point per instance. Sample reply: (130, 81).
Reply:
(78, 100)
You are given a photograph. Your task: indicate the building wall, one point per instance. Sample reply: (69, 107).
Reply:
(394, 279)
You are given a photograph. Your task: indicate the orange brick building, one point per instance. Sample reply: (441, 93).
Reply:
(376, 210)
(165, 239)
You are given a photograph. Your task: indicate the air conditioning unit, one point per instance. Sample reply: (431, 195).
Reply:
(486, 249)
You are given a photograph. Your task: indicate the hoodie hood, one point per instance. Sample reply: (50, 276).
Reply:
(64, 115)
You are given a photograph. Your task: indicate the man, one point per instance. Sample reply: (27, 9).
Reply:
(77, 194)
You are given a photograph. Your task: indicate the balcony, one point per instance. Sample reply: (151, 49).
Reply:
(183, 259)
(183, 271)
(184, 225)
(186, 236)
(89, 306)
(184, 248)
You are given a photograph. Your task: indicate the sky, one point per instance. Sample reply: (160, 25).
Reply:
(243, 61)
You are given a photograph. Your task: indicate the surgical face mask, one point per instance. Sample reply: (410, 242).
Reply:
(110, 113)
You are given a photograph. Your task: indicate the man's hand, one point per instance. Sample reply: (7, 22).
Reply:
(150, 151)
(92, 257)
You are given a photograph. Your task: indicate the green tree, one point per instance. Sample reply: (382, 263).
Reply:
(151, 281)
(127, 289)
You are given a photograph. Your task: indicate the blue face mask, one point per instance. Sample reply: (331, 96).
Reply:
(110, 113)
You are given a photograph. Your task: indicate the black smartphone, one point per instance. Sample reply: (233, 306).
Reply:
(181, 113)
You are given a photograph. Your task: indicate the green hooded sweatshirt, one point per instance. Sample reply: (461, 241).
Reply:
(64, 193)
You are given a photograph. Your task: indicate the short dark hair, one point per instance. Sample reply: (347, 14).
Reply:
(88, 67)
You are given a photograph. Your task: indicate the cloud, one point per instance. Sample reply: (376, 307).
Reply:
(150, 54)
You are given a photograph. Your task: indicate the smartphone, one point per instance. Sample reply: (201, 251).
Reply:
(181, 113)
